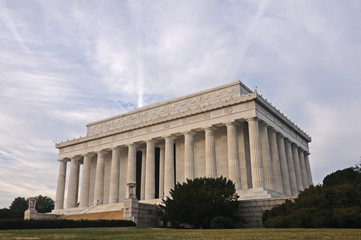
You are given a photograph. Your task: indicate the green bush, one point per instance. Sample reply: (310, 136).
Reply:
(199, 200)
(222, 223)
(6, 213)
(62, 223)
(335, 204)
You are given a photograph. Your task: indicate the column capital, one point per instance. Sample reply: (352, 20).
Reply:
(280, 135)
(191, 133)
(170, 137)
(252, 119)
(76, 158)
(271, 129)
(151, 141)
(233, 123)
(263, 124)
(65, 160)
(212, 128)
(89, 154)
(132, 145)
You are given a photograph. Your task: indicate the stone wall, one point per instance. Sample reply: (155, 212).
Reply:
(33, 214)
(148, 215)
(252, 210)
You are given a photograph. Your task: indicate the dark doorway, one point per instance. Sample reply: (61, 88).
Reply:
(156, 172)
(139, 173)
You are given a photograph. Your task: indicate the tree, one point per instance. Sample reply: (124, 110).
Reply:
(44, 204)
(336, 203)
(198, 201)
(6, 213)
(19, 205)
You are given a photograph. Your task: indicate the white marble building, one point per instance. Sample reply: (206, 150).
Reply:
(225, 131)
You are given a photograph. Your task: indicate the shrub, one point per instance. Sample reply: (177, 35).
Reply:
(199, 200)
(62, 223)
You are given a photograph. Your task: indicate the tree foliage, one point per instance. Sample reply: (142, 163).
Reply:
(19, 205)
(336, 203)
(44, 204)
(196, 202)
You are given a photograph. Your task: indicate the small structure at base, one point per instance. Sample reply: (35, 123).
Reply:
(32, 213)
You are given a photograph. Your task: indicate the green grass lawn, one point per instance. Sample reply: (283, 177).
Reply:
(146, 233)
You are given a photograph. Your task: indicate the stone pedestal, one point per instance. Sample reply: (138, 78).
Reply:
(130, 210)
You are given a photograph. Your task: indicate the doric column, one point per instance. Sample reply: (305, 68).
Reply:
(85, 181)
(284, 165)
(169, 165)
(266, 156)
(233, 159)
(99, 178)
(161, 171)
(256, 154)
(114, 176)
(150, 171)
(276, 166)
(188, 155)
(132, 164)
(211, 165)
(60, 188)
(73, 183)
(291, 168)
(296, 160)
(308, 168)
(244, 157)
(303, 168)
(142, 179)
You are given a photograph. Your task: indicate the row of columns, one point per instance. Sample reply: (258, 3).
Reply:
(276, 164)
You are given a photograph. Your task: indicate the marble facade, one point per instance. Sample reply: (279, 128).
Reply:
(227, 131)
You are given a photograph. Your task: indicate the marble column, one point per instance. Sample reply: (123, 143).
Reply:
(142, 180)
(161, 171)
(296, 161)
(60, 188)
(256, 154)
(211, 165)
(150, 171)
(73, 184)
(169, 165)
(276, 166)
(233, 159)
(244, 156)
(303, 168)
(189, 171)
(99, 178)
(131, 168)
(114, 176)
(132, 164)
(291, 168)
(284, 165)
(308, 168)
(266, 157)
(85, 181)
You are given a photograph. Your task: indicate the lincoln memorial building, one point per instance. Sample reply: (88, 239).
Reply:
(227, 131)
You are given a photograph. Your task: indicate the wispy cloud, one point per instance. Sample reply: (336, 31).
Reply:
(66, 63)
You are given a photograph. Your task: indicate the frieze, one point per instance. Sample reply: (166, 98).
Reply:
(124, 132)
(163, 112)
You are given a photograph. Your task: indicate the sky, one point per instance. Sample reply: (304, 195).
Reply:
(66, 63)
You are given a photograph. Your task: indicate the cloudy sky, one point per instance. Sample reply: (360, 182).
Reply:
(66, 63)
